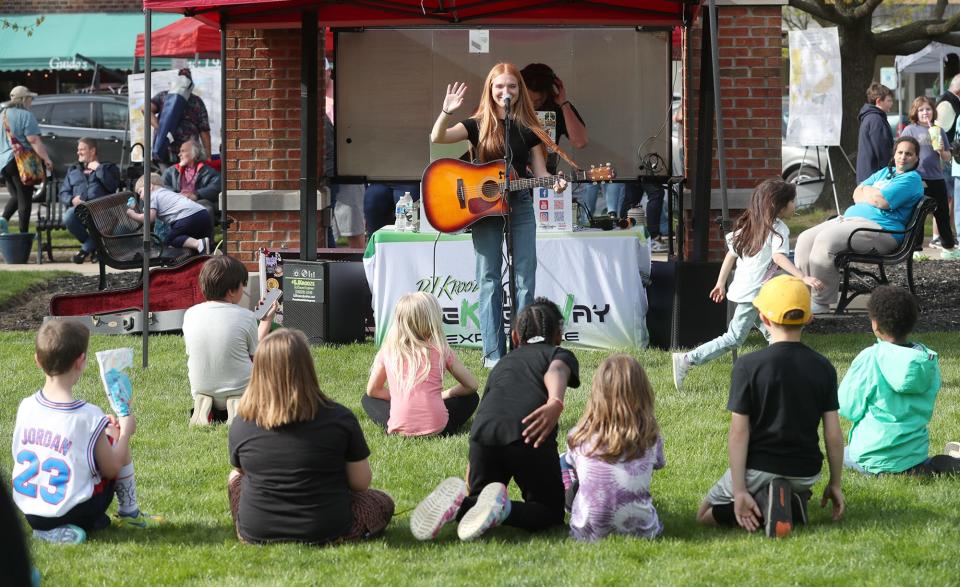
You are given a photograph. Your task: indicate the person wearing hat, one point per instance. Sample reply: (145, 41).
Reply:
(778, 397)
(23, 127)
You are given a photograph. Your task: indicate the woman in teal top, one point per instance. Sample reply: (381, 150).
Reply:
(885, 200)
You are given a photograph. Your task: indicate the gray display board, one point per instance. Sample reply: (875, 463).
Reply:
(390, 85)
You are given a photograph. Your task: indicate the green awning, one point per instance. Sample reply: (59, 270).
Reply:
(108, 38)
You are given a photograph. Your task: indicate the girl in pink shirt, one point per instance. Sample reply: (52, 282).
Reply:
(405, 392)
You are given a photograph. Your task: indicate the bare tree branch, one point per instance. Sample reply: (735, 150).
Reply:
(940, 9)
(951, 24)
(915, 31)
(866, 9)
(820, 10)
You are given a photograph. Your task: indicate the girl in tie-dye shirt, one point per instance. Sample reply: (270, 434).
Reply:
(614, 449)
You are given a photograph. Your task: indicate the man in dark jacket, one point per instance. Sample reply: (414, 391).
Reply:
(875, 142)
(193, 178)
(86, 180)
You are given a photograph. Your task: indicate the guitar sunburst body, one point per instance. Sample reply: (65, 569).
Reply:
(455, 194)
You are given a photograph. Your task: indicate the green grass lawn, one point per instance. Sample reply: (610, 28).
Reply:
(896, 531)
(13, 283)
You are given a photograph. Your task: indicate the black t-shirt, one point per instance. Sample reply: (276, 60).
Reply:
(521, 141)
(295, 477)
(785, 390)
(514, 389)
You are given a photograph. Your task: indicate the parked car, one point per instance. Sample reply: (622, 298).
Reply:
(65, 118)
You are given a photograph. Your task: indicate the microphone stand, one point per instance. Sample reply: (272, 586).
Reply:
(511, 271)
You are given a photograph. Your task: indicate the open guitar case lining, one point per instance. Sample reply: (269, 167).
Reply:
(172, 291)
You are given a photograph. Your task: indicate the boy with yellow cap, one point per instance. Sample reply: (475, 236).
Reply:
(778, 397)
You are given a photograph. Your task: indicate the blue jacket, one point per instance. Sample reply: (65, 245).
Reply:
(105, 180)
(874, 143)
(206, 184)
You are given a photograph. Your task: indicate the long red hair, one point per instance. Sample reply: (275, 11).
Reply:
(490, 144)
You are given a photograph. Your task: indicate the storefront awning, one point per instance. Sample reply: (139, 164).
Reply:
(107, 38)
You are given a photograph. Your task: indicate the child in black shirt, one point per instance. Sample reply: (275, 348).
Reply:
(514, 436)
(778, 396)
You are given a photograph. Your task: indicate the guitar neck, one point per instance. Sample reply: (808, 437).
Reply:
(539, 182)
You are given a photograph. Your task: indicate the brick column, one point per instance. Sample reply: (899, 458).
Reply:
(263, 133)
(751, 87)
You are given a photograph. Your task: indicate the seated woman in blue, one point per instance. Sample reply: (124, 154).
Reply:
(885, 200)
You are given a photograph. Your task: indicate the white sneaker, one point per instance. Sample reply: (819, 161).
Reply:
(950, 254)
(658, 247)
(232, 404)
(202, 407)
(438, 508)
(489, 363)
(681, 366)
(816, 308)
(952, 449)
(491, 509)
(68, 534)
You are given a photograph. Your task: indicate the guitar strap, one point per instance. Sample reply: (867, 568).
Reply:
(552, 146)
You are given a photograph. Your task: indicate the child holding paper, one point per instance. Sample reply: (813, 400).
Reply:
(69, 458)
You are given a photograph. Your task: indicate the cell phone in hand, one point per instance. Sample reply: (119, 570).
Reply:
(268, 300)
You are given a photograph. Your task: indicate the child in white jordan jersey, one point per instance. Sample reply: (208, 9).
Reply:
(69, 459)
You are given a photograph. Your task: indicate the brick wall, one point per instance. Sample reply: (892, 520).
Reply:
(59, 6)
(751, 87)
(263, 131)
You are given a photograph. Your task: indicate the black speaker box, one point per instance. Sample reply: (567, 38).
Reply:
(680, 312)
(328, 300)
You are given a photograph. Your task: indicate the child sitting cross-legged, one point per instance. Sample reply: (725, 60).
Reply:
(889, 394)
(414, 357)
(514, 436)
(301, 467)
(778, 397)
(69, 458)
(221, 338)
(614, 449)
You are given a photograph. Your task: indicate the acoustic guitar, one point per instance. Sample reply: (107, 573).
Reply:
(455, 194)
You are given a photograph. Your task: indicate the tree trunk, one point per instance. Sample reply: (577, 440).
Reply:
(859, 59)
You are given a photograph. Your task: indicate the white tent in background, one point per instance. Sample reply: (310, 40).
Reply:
(927, 60)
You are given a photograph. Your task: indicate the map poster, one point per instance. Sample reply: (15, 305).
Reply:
(816, 103)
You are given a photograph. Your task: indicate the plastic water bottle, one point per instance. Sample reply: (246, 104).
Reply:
(413, 220)
(402, 210)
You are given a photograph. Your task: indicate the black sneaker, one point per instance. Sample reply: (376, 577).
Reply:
(776, 505)
(80, 257)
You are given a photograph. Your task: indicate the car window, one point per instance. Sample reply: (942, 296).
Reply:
(71, 114)
(114, 116)
(42, 113)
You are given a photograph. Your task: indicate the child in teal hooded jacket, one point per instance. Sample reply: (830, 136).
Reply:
(889, 394)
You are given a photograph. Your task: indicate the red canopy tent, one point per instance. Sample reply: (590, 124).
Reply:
(187, 37)
(307, 14)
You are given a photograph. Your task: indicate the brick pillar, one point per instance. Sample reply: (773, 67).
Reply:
(263, 134)
(751, 87)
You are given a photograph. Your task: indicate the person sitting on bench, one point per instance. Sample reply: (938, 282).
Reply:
(190, 224)
(86, 180)
(193, 178)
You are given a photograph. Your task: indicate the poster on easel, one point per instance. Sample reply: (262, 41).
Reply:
(816, 101)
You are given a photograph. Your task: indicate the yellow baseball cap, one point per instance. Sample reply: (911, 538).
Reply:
(781, 295)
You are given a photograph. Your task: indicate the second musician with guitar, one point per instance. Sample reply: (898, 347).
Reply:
(485, 131)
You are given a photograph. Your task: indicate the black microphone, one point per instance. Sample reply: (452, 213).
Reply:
(506, 104)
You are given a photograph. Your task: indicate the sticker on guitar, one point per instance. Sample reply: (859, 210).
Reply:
(455, 194)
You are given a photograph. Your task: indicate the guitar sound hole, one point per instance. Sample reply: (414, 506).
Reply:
(490, 189)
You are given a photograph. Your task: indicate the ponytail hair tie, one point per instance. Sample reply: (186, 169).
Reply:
(535, 339)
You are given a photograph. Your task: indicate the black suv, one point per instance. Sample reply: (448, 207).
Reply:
(66, 118)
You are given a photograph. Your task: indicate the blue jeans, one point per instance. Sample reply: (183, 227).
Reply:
(78, 230)
(380, 203)
(744, 319)
(488, 244)
(612, 193)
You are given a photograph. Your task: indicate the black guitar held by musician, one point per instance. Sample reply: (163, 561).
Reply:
(455, 194)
